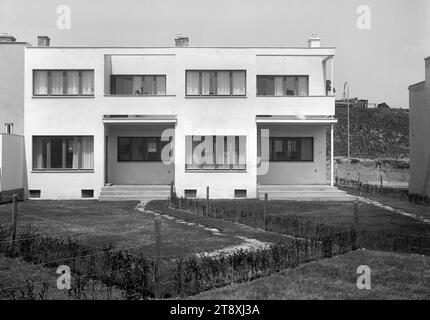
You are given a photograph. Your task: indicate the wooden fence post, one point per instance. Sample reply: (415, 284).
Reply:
(14, 222)
(380, 177)
(266, 196)
(355, 243)
(207, 202)
(171, 193)
(157, 256)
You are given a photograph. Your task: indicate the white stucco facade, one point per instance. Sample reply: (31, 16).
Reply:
(212, 115)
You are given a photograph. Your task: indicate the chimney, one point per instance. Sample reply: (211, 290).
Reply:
(43, 41)
(4, 37)
(314, 41)
(181, 41)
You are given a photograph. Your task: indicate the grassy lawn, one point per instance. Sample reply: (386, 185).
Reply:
(337, 214)
(97, 224)
(420, 211)
(393, 276)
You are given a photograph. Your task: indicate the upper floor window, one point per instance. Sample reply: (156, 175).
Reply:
(63, 82)
(216, 83)
(138, 84)
(282, 85)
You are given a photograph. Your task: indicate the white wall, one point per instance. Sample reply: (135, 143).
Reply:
(195, 115)
(136, 172)
(298, 172)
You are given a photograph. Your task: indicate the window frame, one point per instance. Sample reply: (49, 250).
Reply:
(49, 154)
(64, 76)
(215, 71)
(272, 149)
(139, 75)
(284, 84)
(160, 147)
(218, 167)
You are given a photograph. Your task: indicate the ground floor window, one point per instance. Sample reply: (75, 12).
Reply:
(140, 148)
(63, 152)
(291, 149)
(215, 152)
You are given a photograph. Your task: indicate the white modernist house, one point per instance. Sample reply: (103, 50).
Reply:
(127, 122)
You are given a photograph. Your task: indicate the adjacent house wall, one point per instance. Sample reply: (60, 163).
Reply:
(12, 86)
(419, 133)
(12, 166)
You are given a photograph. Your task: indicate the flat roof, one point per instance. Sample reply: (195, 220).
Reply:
(173, 47)
(416, 84)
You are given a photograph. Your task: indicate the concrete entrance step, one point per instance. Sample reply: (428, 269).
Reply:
(303, 193)
(134, 192)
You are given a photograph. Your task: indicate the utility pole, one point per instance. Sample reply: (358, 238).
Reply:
(346, 96)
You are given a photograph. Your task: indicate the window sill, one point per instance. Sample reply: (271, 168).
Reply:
(63, 171)
(317, 96)
(63, 97)
(215, 97)
(215, 171)
(139, 95)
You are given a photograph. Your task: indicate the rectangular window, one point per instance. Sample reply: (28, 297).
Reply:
(63, 82)
(138, 84)
(291, 149)
(282, 85)
(63, 152)
(140, 148)
(215, 83)
(215, 152)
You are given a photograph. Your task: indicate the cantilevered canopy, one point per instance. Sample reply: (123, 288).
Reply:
(119, 118)
(296, 119)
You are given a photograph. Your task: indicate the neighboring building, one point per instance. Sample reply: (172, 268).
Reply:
(11, 117)
(353, 102)
(94, 117)
(419, 133)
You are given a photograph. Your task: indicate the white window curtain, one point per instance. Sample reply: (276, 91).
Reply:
(76, 152)
(148, 85)
(239, 83)
(137, 85)
(41, 82)
(193, 82)
(303, 86)
(188, 151)
(56, 82)
(279, 86)
(87, 78)
(291, 86)
(160, 85)
(219, 149)
(72, 82)
(87, 147)
(206, 83)
(223, 83)
(39, 145)
(242, 150)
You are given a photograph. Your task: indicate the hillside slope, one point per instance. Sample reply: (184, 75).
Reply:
(374, 133)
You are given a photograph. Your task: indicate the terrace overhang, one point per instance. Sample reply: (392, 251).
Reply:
(134, 119)
(273, 119)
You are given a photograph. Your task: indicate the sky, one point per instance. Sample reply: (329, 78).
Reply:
(378, 62)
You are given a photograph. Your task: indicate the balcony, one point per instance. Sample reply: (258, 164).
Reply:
(295, 105)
